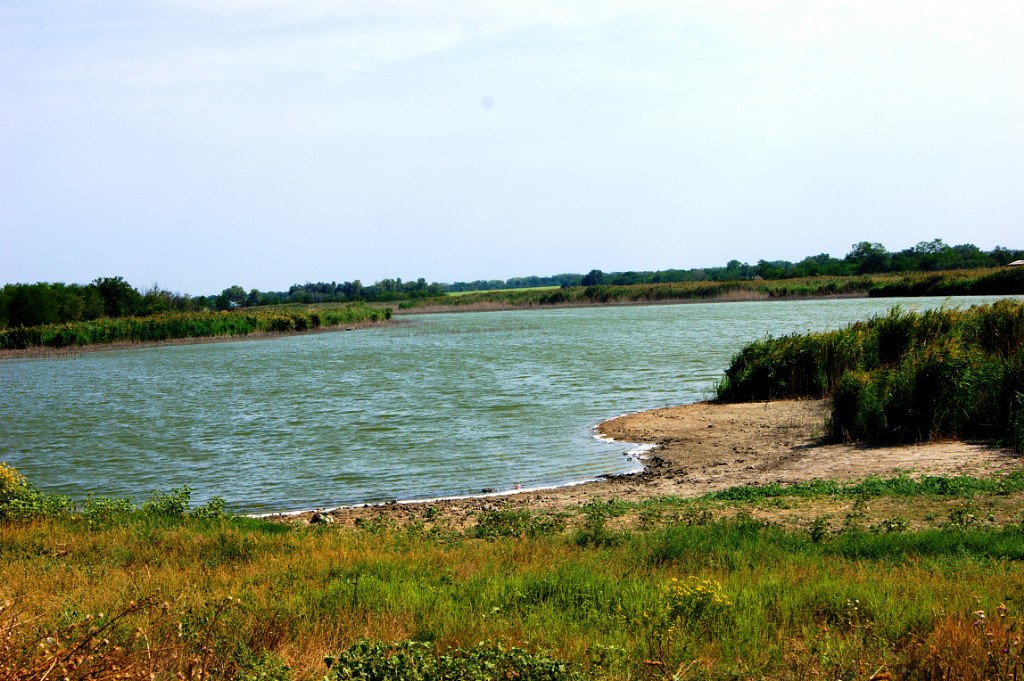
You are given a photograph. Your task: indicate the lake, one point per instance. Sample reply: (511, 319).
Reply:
(437, 406)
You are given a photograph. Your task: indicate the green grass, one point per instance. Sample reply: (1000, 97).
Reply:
(900, 486)
(704, 589)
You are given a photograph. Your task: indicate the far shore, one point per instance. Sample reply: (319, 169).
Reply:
(706, 447)
(736, 296)
(46, 352)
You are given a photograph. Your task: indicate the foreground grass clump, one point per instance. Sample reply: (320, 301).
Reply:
(183, 325)
(710, 589)
(414, 660)
(901, 377)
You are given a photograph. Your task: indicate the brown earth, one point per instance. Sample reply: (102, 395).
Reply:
(705, 447)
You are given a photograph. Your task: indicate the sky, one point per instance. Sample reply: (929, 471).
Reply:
(198, 144)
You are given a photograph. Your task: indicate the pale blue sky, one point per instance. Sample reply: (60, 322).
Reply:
(197, 144)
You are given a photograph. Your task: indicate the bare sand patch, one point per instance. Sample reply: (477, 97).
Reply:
(705, 447)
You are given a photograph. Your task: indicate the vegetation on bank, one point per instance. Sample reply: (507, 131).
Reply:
(116, 325)
(56, 303)
(1002, 281)
(864, 258)
(183, 325)
(901, 377)
(843, 584)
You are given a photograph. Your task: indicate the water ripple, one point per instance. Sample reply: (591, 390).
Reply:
(445, 405)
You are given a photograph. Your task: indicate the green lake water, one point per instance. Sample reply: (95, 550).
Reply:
(437, 406)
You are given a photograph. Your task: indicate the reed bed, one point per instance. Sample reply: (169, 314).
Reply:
(181, 325)
(983, 282)
(901, 377)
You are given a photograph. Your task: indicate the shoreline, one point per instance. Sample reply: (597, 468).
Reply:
(700, 448)
(635, 455)
(47, 352)
(71, 351)
(728, 297)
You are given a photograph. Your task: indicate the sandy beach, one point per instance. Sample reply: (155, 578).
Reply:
(704, 447)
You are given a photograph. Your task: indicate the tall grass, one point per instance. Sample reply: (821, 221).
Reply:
(987, 282)
(900, 377)
(183, 325)
(158, 595)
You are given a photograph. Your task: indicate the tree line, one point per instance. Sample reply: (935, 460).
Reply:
(24, 305)
(864, 258)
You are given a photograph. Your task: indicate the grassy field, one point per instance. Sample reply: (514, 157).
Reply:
(920, 580)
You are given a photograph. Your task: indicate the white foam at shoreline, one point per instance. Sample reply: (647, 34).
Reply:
(636, 455)
(463, 497)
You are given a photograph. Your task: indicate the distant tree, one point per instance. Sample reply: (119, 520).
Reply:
(818, 265)
(92, 301)
(119, 298)
(231, 297)
(355, 290)
(1004, 256)
(592, 278)
(868, 258)
(29, 305)
(776, 269)
(155, 301)
(969, 256)
(930, 255)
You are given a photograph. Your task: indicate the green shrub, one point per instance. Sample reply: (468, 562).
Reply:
(169, 505)
(20, 500)
(900, 377)
(515, 523)
(417, 661)
(101, 511)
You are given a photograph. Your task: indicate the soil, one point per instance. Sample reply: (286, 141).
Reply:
(705, 447)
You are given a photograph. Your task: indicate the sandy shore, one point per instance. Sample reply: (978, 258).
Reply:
(704, 447)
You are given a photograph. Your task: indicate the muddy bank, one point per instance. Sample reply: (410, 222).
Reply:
(705, 447)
